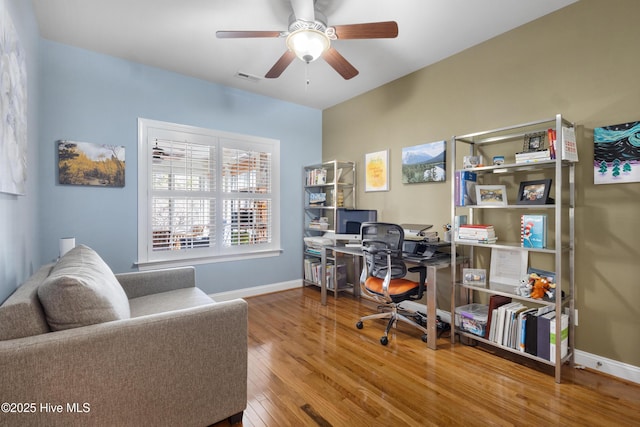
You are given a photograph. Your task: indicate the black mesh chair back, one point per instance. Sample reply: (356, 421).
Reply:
(383, 276)
(379, 240)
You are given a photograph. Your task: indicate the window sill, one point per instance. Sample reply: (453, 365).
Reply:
(151, 265)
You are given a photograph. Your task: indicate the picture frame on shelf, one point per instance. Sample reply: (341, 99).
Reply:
(534, 141)
(534, 192)
(491, 195)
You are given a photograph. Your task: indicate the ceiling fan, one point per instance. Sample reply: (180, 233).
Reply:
(308, 38)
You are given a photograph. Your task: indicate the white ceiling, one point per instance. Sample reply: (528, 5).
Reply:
(179, 35)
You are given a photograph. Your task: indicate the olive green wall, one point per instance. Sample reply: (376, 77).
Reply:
(581, 62)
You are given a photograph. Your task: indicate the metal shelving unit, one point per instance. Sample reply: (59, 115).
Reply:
(558, 256)
(337, 181)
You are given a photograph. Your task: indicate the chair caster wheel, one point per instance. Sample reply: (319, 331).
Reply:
(424, 337)
(384, 340)
(359, 325)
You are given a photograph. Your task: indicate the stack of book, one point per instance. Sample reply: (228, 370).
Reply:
(477, 233)
(313, 269)
(533, 156)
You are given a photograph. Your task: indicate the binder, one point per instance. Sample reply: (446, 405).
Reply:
(531, 337)
(564, 337)
(544, 333)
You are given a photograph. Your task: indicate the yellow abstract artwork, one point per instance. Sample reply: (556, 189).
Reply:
(377, 171)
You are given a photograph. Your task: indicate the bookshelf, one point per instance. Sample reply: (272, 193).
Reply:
(506, 195)
(327, 187)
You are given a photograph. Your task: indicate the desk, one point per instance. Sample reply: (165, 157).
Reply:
(432, 267)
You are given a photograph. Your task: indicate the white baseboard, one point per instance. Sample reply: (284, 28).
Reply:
(256, 290)
(608, 366)
(597, 363)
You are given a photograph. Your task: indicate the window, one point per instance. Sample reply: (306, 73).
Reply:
(205, 195)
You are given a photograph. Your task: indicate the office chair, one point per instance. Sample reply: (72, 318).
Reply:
(383, 276)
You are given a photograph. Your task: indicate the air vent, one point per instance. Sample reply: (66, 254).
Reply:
(248, 77)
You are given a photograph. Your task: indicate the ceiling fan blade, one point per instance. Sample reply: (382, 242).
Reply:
(371, 30)
(280, 65)
(304, 10)
(246, 34)
(340, 64)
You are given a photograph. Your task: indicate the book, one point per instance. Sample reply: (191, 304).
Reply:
(509, 323)
(531, 333)
(564, 337)
(316, 176)
(522, 328)
(569, 147)
(533, 231)
(317, 199)
(491, 324)
(495, 301)
(551, 134)
(465, 188)
(533, 156)
(544, 332)
(500, 321)
(516, 325)
(477, 233)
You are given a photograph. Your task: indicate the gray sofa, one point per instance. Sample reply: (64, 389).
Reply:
(163, 353)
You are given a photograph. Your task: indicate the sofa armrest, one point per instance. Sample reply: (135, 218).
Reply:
(186, 367)
(141, 283)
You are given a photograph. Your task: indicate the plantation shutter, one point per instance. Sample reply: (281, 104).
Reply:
(183, 207)
(246, 193)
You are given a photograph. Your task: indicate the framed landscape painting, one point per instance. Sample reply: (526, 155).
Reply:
(424, 163)
(85, 163)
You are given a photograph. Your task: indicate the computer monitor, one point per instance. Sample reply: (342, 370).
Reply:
(348, 222)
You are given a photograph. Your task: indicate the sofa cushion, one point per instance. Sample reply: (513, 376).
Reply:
(21, 315)
(177, 299)
(82, 290)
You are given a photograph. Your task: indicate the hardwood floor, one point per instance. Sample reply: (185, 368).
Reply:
(310, 366)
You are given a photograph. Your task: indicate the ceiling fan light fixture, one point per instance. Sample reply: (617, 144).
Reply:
(308, 44)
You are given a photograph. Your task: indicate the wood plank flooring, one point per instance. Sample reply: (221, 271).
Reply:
(310, 366)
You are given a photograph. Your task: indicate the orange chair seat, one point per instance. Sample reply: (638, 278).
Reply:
(396, 286)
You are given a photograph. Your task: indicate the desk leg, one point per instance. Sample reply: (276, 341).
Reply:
(356, 279)
(432, 334)
(323, 276)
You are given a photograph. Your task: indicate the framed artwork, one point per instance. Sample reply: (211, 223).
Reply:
(424, 163)
(85, 163)
(376, 171)
(13, 109)
(616, 158)
(534, 141)
(491, 195)
(534, 192)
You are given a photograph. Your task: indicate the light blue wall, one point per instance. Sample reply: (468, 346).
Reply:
(96, 98)
(18, 219)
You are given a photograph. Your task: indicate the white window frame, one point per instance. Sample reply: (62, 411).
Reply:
(150, 131)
